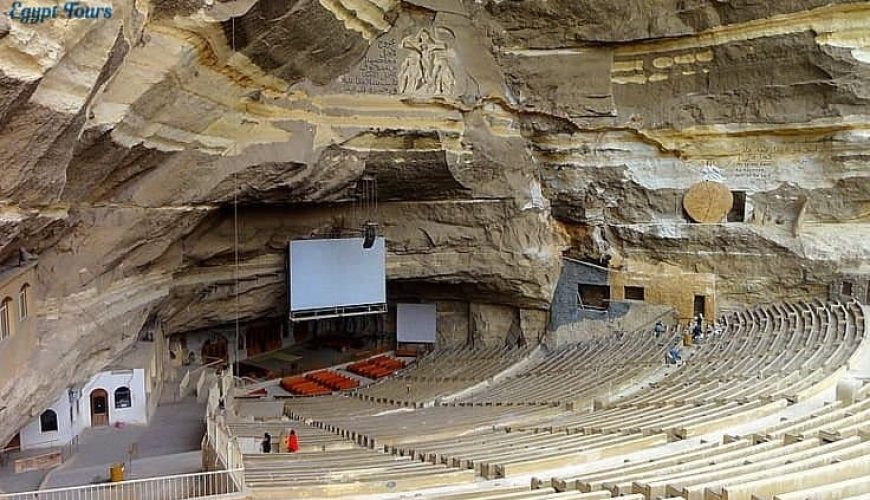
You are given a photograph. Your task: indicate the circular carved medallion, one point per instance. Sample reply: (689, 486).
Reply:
(708, 201)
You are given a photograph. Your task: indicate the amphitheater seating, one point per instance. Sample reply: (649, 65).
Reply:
(328, 465)
(691, 474)
(849, 489)
(709, 471)
(385, 426)
(302, 386)
(310, 438)
(766, 358)
(498, 453)
(831, 423)
(486, 445)
(318, 383)
(377, 367)
(353, 472)
(557, 410)
(333, 380)
(443, 372)
(526, 493)
(825, 454)
(567, 375)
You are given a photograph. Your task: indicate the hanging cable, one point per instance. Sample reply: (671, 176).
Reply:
(235, 369)
(236, 272)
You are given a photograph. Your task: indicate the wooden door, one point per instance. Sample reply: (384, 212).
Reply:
(99, 408)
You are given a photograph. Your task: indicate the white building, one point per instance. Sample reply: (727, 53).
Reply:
(125, 393)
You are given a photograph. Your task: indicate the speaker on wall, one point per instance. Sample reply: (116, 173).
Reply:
(370, 232)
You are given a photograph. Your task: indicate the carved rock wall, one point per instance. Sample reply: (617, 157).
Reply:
(500, 134)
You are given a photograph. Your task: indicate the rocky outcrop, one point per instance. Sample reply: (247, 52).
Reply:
(498, 135)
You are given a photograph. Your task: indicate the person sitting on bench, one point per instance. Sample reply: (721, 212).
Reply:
(673, 355)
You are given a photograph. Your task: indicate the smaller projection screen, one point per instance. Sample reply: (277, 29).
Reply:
(415, 323)
(333, 273)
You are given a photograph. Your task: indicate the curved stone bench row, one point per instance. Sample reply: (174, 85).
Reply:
(740, 469)
(765, 359)
(442, 372)
(575, 374)
(321, 468)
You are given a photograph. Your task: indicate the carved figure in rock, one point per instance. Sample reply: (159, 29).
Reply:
(410, 74)
(426, 69)
(444, 80)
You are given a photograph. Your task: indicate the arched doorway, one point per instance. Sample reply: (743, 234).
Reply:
(99, 407)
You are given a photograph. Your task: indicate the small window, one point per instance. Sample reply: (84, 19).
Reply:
(22, 301)
(5, 325)
(738, 209)
(847, 288)
(48, 421)
(634, 293)
(122, 398)
(593, 296)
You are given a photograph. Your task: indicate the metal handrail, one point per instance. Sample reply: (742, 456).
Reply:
(212, 484)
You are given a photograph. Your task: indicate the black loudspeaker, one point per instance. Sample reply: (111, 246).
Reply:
(370, 232)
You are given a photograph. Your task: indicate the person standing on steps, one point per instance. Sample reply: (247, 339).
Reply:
(659, 328)
(267, 443)
(282, 442)
(292, 442)
(696, 332)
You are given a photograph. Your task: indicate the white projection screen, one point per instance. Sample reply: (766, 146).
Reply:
(333, 273)
(415, 323)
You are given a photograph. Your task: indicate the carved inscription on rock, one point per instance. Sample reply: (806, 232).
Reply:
(376, 74)
(752, 173)
(754, 163)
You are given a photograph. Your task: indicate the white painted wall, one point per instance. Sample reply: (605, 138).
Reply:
(111, 381)
(137, 413)
(33, 437)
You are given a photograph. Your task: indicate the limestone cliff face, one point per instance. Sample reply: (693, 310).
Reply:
(499, 135)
